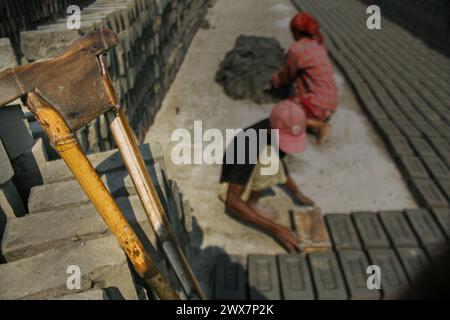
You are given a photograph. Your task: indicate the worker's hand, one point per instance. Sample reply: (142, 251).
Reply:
(276, 82)
(287, 238)
(304, 200)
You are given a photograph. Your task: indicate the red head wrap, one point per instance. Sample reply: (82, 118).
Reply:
(306, 24)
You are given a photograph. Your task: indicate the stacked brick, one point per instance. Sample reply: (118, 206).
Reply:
(55, 222)
(63, 228)
(21, 157)
(402, 244)
(154, 38)
(16, 15)
(428, 19)
(404, 87)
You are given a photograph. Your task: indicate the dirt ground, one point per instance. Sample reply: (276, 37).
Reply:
(352, 172)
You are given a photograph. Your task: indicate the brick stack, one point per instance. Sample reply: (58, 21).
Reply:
(63, 228)
(21, 158)
(402, 244)
(428, 19)
(403, 86)
(60, 226)
(16, 15)
(154, 38)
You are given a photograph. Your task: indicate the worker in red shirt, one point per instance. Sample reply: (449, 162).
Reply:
(310, 69)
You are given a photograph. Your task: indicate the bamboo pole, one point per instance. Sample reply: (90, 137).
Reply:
(68, 148)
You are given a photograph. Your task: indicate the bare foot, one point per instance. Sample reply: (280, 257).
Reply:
(324, 134)
(266, 211)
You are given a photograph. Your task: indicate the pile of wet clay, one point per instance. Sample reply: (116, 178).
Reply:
(247, 70)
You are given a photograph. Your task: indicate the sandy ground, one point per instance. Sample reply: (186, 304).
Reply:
(352, 172)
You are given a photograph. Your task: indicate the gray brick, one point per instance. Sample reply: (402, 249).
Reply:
(6, 170)
(296, 283)
(387, 128)
(27, 173)
(428, 194)
(425, 227)
(44, 44)
(429, 114)
(442, 147)
(230, 278)
(422, 147)
(370, 230)
(10, 201)
(437, 168)
(327, 276)
(441, 127)
(24, 238)
(398, 229)
(444, 112)
(426, 129)
(15, 135)
(445, 187)
(435, 252)
(354, 266)
(342, 232)
(412, 114)
(443, 218)
(40, 155)
(263, 278)
(407, 128)
(105, 162)
(375, 112)
(414, 261)
(413, 168)
(8, 58)
(395, 113)
(394, 282)
(47, 197)
(95, 295)
(48, 280)
(400, 146)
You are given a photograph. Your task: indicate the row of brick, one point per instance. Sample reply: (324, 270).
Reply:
(401, 244)
(16, 15)
(61, 207)
(102, 266)
(412, 228)
(428, 19)
(22, 158)
(406, 95)
(338, 275)
(154, 36)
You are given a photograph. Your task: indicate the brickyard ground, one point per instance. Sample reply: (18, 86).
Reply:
(352, 172)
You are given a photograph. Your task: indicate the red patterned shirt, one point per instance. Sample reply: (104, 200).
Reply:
(309, 65)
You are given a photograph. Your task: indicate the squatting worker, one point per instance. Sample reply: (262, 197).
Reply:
(309, 68)
(242, 184)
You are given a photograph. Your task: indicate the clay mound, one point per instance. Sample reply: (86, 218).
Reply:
(247, 70)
